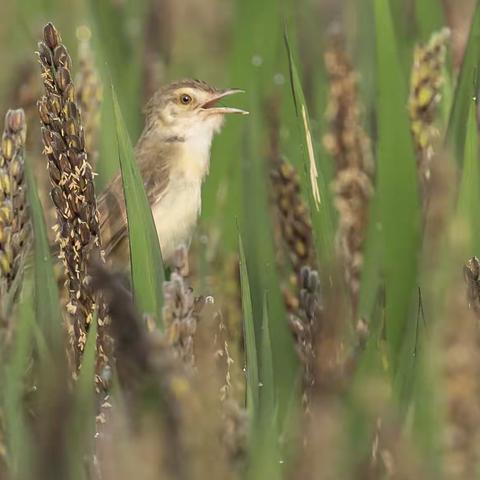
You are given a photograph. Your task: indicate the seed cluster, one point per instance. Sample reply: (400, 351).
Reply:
(294, 224)
(350, 147)
(180, 315)
(72, 192)
(305, 324)
(89, 95)
(15, 228)
(426, 82)
(294, 218)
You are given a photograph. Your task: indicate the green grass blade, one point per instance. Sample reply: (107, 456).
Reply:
(122, 50)
(48, 316)
(267, 389)
(145, 255)
(249, 336)
(469, 193)
(465, 88)
(16, 433)
(430, 17)
(313, 178)
(396, 183)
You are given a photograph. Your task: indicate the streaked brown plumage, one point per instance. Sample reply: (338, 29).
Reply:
(173, 156)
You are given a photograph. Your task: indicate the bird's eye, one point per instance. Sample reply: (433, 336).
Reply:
(185, 99)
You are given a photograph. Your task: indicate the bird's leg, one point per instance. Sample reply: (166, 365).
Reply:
(180, 261)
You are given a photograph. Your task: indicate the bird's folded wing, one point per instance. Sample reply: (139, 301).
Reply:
(111, 203)
(112, 215)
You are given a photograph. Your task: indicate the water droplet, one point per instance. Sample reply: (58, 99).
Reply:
(257, 60)
(279, 79)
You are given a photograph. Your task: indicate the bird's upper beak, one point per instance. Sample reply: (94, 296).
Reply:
(211, 104)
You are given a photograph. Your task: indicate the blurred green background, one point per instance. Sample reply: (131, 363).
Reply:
(274, 50)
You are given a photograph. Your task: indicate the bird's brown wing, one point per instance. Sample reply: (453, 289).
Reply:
(153, 162)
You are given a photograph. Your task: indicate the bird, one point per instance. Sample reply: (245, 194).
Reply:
(173, 157)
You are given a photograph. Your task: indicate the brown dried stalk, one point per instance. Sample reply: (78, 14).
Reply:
(154, 381)
(72, 192)
(426, 82)
(89, 94)
(15, 228)
(349, 145)
(459, 354)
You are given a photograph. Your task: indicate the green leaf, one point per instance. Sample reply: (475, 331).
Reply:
(469, 193)
(121, 46)
(397, 190)
(16, 434)
(313, 178)
(267, 389)
(465, 89)
(46, 295)
(430, 17)
(249, 336)
(145, 254)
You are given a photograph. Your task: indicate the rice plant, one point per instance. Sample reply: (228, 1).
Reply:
(292, 294)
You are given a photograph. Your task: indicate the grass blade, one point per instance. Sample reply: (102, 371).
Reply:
(463, 93)
(314, 182)
(469, 193)
(48, 316)
(145, 254)
(396, 183)
(249, 335)
(430, 17)
(116, 45)
(17, 438)
(267, 390)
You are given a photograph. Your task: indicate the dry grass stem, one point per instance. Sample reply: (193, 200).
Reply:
(89, 94)
(154, 381)
(350, 147)
(460, 355)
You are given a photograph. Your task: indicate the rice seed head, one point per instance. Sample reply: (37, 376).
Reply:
(305, 324)
(89, 93)
(180, 315)
(72, 189)
(294, 218)
(15, 228)
(426, 82)
(350, 146)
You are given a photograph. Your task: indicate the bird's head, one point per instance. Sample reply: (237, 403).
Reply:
(190, 107)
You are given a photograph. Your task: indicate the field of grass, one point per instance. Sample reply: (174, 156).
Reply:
(329, 325)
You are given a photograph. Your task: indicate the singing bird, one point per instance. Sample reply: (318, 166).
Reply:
(173, 156)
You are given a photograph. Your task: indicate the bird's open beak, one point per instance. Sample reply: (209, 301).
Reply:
(211, 104)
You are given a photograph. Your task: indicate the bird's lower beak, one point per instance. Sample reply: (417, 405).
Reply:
(212, 108)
